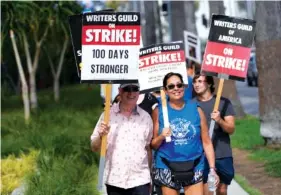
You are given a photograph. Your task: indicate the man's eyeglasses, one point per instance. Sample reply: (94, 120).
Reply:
(131, 89)
(198, 81)
(172, 86)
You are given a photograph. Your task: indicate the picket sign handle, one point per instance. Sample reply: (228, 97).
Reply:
(216, 107)
(165, 113)
(108, 88)
(193, 71)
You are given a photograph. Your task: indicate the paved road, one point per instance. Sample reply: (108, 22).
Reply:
(249, 98)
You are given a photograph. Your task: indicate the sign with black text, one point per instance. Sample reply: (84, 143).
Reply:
(192, 45)
(158, 60)
(110, 47)
(75, 24)
(228, 48)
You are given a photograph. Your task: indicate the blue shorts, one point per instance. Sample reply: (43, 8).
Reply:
(224, 169)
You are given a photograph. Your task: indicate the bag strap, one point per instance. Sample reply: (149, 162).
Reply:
(196, 161)
(165, 161)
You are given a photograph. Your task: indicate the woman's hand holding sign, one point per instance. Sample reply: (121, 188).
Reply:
(166, 132)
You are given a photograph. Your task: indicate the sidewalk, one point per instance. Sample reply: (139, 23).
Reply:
(233, 189)
(236, 189)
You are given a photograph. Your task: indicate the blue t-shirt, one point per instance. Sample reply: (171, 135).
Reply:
(186, 141)
(188, 90)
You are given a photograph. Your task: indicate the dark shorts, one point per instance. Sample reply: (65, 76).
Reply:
(139, 190)
(163, 177)
(224, 169)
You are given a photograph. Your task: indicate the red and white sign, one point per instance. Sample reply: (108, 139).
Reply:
(226, 59)
(110, 47)
(158, 60)
(228, 48)
(104, 35)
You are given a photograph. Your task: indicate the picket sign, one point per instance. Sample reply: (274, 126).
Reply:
(227, 52)
(165, 113)
(75, 25)
(192, 43)
(110, 51)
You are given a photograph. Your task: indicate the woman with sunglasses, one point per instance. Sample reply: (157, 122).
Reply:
(180, 163)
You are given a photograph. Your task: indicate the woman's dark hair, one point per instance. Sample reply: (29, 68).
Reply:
(209, 80)
(116, 99)
(169, 75)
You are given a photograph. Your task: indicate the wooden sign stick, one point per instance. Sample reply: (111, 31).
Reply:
(108, 88)
(165, 112)
(216, 107)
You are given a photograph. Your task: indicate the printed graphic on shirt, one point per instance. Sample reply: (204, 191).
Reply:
(182, 131)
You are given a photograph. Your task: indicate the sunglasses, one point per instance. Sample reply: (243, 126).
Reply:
(131, 89)
(172, 86)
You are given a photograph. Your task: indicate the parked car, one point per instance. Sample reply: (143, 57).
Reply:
(252, 74)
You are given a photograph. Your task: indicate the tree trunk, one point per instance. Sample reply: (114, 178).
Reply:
(56, 89)
(216, 7)
(56, 73)
(268, 47)
(190, 16)
(157, 15)
(26, 103)
(32, 87)
(229, 88)
(150, 27)
(31, 72)
(22, 79)
(177, 24)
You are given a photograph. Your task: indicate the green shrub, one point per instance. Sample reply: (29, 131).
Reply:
(60, 132)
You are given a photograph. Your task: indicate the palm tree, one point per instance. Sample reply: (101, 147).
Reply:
(268, 47)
